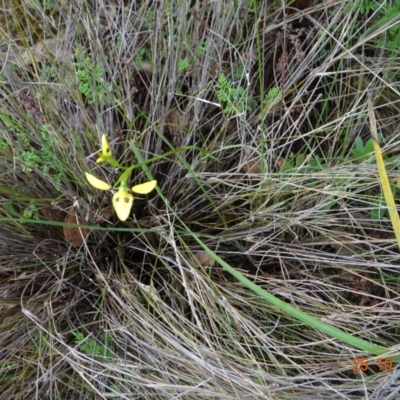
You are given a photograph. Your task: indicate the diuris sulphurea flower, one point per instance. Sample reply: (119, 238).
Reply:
(106, 155)
(123, 199)
(105, 150)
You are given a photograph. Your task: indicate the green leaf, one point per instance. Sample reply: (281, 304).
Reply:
(359, 144)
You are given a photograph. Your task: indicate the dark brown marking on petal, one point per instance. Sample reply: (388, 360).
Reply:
(126, 199)
(117, 199)
(107, 150)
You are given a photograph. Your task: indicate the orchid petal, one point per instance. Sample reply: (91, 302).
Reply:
(96, 182)
(122, 203)
(144, 188)
(105, 150)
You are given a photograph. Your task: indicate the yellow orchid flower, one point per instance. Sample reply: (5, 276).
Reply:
(105, 150)
(123, 199)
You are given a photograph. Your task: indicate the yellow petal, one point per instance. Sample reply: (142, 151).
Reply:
(144, 188)
(105, 146)
(96, 182)
(101, 159)
(122, 202)
(105, 150)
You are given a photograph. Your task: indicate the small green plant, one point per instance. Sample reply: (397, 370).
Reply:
(30, 212)
(38, 344)
(363, 151)
(235, 100)
(387, 12)
(183, 64)
(239, 72)
(272, 96)
(43, 158)
(3, 144)
(92, 347)
(198, 52)
(365, 6)
(31, 159)
(47, 5)
(302, 164)
(7, 372)
(91, 81)
(392, 41)
(141, 56)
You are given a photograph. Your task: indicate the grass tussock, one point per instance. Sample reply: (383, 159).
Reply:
(252, 117)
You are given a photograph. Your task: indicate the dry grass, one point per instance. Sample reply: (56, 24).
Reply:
(269, 182)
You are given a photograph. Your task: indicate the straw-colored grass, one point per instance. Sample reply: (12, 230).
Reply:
(247, 114)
